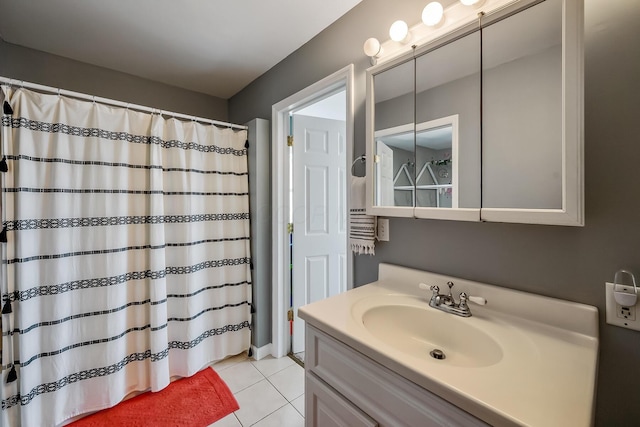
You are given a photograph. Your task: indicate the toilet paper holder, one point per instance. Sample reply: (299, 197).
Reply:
(624, 297)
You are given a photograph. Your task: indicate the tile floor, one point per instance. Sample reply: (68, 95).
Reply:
(270, 392)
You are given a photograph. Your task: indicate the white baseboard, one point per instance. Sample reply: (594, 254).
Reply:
(262, 352)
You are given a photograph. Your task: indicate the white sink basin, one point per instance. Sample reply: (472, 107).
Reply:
(418, 330)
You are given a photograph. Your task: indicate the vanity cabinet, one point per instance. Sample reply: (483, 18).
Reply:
(345, 388)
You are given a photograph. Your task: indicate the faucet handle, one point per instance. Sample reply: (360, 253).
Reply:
(426, 287)
(432, 288)
(478, 300)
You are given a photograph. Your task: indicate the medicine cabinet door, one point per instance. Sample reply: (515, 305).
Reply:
(532, 114)
(448, 130)
(391, 147)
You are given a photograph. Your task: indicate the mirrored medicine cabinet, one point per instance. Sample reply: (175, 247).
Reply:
(484, 123)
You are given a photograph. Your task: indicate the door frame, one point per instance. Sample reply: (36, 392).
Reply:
(280, 204)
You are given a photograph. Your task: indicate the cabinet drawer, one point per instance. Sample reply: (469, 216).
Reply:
(329, 409)
(385, 396)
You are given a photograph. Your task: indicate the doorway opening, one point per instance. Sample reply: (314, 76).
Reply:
(312, 148)
(317, 207)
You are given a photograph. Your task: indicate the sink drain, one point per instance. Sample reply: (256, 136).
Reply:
(437, 354)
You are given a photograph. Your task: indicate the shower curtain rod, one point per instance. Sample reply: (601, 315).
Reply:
(107, 101)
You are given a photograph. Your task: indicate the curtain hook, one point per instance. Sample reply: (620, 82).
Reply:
(58, 92)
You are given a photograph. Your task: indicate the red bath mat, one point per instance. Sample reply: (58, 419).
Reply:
(196, 401)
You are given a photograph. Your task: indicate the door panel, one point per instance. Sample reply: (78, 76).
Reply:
(384, 173)
(319, 214)
(317, 275)
(317, 183)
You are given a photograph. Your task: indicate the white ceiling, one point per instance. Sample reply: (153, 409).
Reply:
(215, 47)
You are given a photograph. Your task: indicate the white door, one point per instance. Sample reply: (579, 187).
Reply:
(384, 175)
(319, 214)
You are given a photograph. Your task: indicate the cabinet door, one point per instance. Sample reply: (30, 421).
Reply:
(391, 140)
(532, 147)
(326, 408)
(448, 130)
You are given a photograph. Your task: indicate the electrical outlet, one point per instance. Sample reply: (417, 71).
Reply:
(617, 315)
(628, 313)
(383, 229)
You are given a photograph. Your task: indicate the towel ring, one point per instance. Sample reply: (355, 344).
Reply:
(361, 159)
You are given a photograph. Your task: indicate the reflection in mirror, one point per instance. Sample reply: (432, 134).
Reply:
(448, 127)
(522, 109)
(437, 178)
(394, 166)
(394, 136)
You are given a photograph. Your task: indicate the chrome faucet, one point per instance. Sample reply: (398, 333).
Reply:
(448, 304)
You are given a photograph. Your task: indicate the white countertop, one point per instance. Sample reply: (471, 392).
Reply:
(547, 373)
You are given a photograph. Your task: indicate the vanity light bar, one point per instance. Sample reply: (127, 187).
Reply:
(436, 22)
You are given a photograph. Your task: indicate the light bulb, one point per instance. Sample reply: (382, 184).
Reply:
(432, 14)
(372, 47)
(399, 31)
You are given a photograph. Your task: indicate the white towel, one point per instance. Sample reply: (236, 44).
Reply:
(362, 227)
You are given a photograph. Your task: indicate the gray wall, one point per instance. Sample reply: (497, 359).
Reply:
(564, 262)
(20, 63)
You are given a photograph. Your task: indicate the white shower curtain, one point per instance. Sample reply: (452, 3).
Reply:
(126, 259)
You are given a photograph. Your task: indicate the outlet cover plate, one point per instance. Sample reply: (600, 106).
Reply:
(613, 309)
(383, 229)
